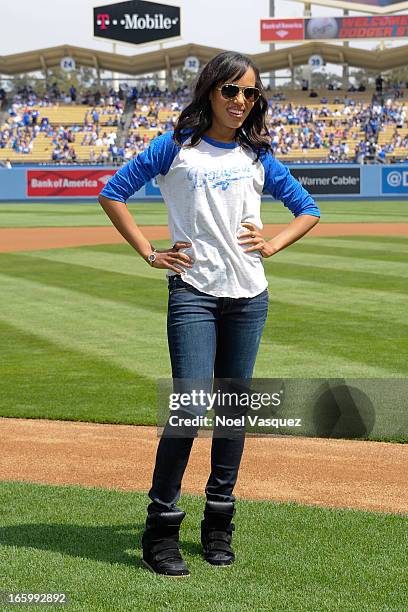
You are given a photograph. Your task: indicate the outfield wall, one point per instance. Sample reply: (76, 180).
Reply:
(323, 181)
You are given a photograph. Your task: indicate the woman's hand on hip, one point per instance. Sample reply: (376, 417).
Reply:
(254, 237)
(171, 258)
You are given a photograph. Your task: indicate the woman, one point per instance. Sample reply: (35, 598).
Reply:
(211, 170)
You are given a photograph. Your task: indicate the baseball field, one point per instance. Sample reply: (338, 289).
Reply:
(321, 524)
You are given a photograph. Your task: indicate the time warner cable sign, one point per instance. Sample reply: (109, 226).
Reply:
(137, 22)
(335, 180)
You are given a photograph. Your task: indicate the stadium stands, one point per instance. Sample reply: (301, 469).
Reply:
(334, 126)
(54, 132)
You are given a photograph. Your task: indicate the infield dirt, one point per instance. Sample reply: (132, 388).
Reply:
(333, 473)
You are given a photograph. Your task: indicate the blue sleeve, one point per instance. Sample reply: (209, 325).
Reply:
(283, 186)
(154, 160)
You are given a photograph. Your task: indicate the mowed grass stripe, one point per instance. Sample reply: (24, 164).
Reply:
(361, 303)
(135, 338)
(362, 211)
(130, 263)
(142, 292)
(339, 278)
(279, 357)
(363, 265)
(91, 282)
(124, 261)
(41, 379)
(383, 257)
(53, 215)
(155, 213)
(384, 286)
(131, 337)
(44, 380)
(382, 305)
(104, 283)
(98, 282)
(359, 244)
(327, 334)
(389, 240)
(76, 215)
(128, 260)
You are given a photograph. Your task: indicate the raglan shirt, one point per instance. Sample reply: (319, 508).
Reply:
(210, 190)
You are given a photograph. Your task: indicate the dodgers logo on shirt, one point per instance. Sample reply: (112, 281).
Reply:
(217, 177)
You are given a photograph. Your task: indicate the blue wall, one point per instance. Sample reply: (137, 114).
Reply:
(374, 181)
(13, 184)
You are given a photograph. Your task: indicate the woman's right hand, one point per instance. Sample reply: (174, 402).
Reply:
(171, 258)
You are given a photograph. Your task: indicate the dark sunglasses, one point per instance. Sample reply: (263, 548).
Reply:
(229, 91)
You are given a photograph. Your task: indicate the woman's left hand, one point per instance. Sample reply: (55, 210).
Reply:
(253, 236)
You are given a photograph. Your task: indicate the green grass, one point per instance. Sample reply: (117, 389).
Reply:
(86, 542)
(83, 337)
(155, 213)
(83, 330)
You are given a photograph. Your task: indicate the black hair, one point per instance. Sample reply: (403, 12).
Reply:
(196, 118)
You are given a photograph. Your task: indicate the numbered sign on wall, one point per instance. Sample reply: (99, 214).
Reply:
(316, 61)
(192, 64)
(67, 64)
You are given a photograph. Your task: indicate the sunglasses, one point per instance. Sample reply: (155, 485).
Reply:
(229, 91)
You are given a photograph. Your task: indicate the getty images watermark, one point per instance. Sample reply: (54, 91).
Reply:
(358, 408)
(223, 407)
(243, 402)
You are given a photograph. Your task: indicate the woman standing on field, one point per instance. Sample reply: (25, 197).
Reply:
(211, 170)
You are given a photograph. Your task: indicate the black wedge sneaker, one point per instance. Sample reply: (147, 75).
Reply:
(160, 542)
(216, 532)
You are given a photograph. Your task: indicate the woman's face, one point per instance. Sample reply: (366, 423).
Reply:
(232, 113)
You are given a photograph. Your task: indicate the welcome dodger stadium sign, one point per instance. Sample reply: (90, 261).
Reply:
(137, 22)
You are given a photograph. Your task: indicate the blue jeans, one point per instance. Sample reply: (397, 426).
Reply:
(208, 337)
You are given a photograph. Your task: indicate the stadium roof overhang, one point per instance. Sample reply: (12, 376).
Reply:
(386, 59)
(144, 63)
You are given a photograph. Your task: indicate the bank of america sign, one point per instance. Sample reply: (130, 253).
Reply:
(137, 22)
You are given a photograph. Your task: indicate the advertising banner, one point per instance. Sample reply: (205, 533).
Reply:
(338, 28)
(328, 181)
(137, 22)
(395, 180)
(55, 183)
(282, 29)
(378, 7)
(331, 181)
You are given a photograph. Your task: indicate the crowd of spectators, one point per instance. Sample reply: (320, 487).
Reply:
(334, 127)
(63, 139)
(53, 94)
(345, 130)
(25, 122)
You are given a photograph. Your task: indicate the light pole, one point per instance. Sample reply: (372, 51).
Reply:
(272, 83)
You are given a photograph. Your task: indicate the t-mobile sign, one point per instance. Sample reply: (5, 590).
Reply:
(137, 22)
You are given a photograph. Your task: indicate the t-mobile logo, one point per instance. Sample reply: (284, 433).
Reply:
(103, 20)
(137, 22)
(148, 22)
